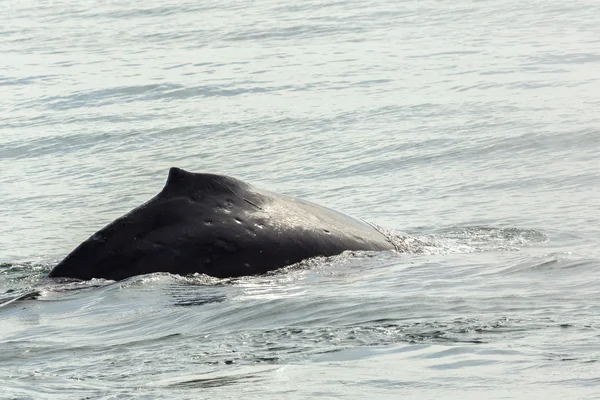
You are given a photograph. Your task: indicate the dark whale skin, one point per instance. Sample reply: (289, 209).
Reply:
(218, 226)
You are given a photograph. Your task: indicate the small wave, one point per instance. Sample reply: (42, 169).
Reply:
(281, 345)
(12, 296)
(22, 270)
(483, 234)
(577, 267)
(463, 239)
(216, 379)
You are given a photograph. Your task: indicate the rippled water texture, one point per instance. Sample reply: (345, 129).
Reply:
(470, 129)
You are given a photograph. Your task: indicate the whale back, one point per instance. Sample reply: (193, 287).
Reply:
(219, 226)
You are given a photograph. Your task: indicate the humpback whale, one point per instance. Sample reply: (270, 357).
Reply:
(219, 226)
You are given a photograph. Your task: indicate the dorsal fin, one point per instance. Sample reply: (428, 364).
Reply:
(182, 182)
(178, 177)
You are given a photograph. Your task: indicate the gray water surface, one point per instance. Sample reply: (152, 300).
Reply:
(470, 129)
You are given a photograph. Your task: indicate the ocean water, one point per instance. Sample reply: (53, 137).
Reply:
(470, 129)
